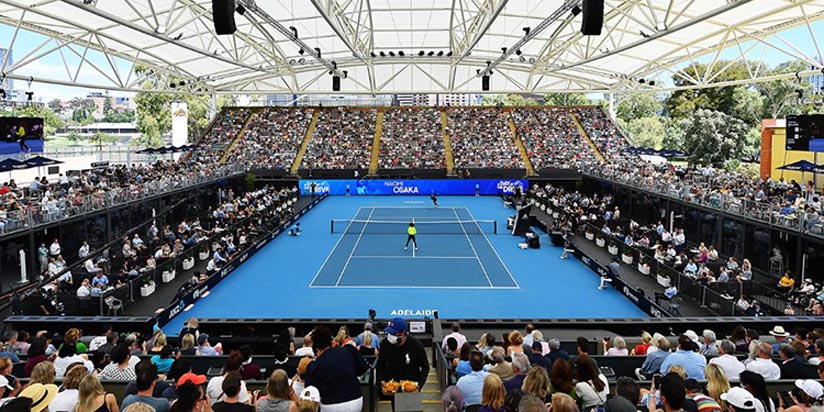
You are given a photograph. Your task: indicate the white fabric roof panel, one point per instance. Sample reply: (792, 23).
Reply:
(641, 39)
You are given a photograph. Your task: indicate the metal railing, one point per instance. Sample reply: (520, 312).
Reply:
(113, 153)
(767, 213)
(706, 295)
(37, 213)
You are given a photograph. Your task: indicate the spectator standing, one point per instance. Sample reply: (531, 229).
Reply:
(335, 373)
(146, 372)
(401, 357)
(456, 333)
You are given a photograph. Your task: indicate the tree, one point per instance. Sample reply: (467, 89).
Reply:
(102, 138)
(646, 131)
(636, 105)
(566, 99)
(684, 103)
(74, 137)
(780, 97)
(55, 105)
(107, 105)
(713, 137)
(511, 100)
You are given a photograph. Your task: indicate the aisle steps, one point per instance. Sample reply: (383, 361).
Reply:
(376, 145)
(530, 171)
(447, 146)
(237, 138)
(583, 132)
(302, 151)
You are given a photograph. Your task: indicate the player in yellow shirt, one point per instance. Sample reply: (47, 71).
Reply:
(411, 231)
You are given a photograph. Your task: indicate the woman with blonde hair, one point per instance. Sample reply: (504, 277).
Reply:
(67, 399)
(536, 383)
(492, 394)
(43, 373)
(279, 395)
(562, 402)
(646, 342)
(342, 338)
(516, 343)
(366, 349)
(717, 383)
(92, 397)
(157, 346)
(191, 328)
(187, 345)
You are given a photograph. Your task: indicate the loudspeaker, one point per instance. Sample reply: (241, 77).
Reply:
(223, 14)
(593, 17)
(335, 83)
(485, 83)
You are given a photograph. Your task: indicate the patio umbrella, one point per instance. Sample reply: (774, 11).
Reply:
(38, 161)
(802, 166)
(7, 165)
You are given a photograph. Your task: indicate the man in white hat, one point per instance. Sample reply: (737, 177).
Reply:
(739, 400)
(780, 338)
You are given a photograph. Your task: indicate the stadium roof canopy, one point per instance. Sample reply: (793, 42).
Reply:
(175, 40)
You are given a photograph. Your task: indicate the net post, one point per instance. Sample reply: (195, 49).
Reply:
(331, 225)
(494, 227)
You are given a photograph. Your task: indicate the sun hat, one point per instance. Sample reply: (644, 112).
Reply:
(41, 395)
(779, 331)
(310, 393)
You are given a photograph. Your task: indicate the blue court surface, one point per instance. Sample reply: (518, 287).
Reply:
(350, 258)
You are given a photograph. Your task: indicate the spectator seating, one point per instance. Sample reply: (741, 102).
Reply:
(481, 138)
(272, 138)
(412, 139)
(342, 139)
(551, 138)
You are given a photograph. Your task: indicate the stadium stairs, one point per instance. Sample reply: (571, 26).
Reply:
(374, 160)
(310, 131)
(447, 146)
(431, 392)
(239, 136)
(584, 133)
(530, 171)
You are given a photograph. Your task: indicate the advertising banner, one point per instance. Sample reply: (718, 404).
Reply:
(413, 187)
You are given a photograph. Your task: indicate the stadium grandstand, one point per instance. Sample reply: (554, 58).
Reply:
(374, 205)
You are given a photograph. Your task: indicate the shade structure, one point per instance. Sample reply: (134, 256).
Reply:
(38, 161)
(801, 166)
(7, 165)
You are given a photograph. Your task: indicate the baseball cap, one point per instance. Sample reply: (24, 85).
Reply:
(367, 326)
(810, 387)
(4, 382)
(310, 393)
(395, 326)
(191, 377)
(202, 338)
(692, 335)
(739, 397)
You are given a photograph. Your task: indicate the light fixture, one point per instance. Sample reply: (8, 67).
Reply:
(178, 37)
(518, 52)
(2, 94)
(800, 93)
(440, 53)
(383, 54)
(421, 53)
(317, 50)
(291, 62)
(373, 54)
(661, 26)
(29, 95)
(401, 53)
(294, 31)
(532, 60)
(644, 35)
(642, 81)
(651, 82)
(576, 10)
(301, 60)
(503, 50)
(242, 10)
(522, 58)
(391, 54)
(526, 31)
(301, 51)
(430, 54)
(449, 54)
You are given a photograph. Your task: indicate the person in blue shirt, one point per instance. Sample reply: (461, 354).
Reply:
(668, 294)
(471, 384)
(653, 361)
(477, 190)
(295, 230)
(686, 357)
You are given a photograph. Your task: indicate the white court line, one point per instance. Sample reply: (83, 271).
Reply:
(415, 245)
(473, 247)
(354, 247)
(407, 257)
(517, 286)
(414, 287)
(334, 247)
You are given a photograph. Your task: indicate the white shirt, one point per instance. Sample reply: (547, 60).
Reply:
(60, 364)
(83, 291)
(83, 252)
(730, 364)
(54, 249)
(766, 368)
(65, 400)
(304, 351)
(215, 391)
(586, 392)
(458, 337)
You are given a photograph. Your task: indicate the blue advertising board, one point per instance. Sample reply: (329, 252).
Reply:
(413, 187)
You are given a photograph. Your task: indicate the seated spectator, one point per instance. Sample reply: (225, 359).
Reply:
(309, 400)
(85, 289)
(412, 139)
(536, 383)
(755, 384)
(695, 392)
(672, 392)
(717, 382)
(67, 355)
(687, 357)
(232, 388)
(810, 394)
(627, 396)
(163, 360)
(592, 386)
(481, 138)
(36, 354)
(562, 379)
(215, 388)
(453, 399)
(555, 351)
(205, 348)
(146, 376)
(655, 359)
(792, 367)
(306, 349)
(249, 370)
(499, 365)
(641, 349)
(456, 334)
(727, 361)
(120, 368)
(520, 366)
(763, 364)
(279, 395)
(492, 394)
(471, 384)
(709, 347)
(92, 398)
(43, 373)
(190, 397)
(619, 347)
(68, 398)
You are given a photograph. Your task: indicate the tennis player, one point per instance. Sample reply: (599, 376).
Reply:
(411, 231)
(434, 198)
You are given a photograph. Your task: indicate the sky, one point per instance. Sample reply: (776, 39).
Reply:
(52, 65)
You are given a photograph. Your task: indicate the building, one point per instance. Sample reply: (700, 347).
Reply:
(446, 99)
(6, 60)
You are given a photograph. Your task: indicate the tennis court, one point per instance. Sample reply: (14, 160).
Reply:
(453, 251)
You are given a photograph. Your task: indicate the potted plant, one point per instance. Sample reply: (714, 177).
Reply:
(188, 263)
(203, 253)
(626, 257)
(644, 265)
(168, 275)
(613, 248)
(589, 234)
(600, 240)
(148, 286)
(663, 280)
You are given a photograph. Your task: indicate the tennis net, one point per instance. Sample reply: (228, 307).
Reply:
(398, 227)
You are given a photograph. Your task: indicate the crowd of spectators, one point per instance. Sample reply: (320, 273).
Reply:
(342, 140)
(704, 369)
(551, 138)
(225, 128)
(602, 131)
(481, 138)
(273, 138)
(412, 139)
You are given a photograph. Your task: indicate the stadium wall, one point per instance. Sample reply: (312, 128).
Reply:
(775, 155)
